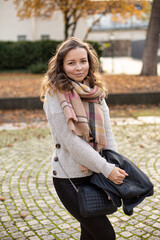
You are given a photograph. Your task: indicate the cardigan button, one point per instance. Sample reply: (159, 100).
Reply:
(54, 172)
(56, 159)
(58, 145)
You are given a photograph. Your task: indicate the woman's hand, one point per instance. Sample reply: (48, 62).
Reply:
(117, 175)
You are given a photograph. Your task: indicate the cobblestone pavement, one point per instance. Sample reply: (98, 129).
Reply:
(29, 206)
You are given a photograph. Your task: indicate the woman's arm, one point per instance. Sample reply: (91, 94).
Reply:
(79, 149)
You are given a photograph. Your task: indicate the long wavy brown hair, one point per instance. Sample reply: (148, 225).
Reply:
(56, 78)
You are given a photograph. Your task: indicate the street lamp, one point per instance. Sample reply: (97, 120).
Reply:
(112, 38)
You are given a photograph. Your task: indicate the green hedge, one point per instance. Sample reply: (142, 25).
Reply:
(33, 56)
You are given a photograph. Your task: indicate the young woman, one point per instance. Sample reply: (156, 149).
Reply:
(80, 126)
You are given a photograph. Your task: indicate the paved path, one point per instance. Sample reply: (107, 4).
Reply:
(123, 65)
(29, 206)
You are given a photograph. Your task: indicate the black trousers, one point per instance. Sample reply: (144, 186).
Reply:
(92, 228)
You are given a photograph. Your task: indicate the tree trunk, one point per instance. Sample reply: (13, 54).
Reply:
(66, 28)
(93, 23)
(73, 29)
(149, 67)
(69, 25)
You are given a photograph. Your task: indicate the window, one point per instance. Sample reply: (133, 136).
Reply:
(44, 37)
(22, 38)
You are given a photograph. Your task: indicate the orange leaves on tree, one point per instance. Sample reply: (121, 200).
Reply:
(124, 9)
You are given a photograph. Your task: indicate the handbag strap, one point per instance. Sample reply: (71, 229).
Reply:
(74, 186)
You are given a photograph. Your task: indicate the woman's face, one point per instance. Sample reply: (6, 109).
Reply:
(75, 64)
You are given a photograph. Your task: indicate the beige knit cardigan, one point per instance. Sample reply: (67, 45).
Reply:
(70, 150)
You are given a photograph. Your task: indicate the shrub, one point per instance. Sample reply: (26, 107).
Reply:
(40, 67)
(97, 46)
(22, 54)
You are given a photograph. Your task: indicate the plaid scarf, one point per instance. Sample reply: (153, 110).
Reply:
(83, 111)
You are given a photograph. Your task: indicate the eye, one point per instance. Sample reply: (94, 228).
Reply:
(70, 63)
(84, 61)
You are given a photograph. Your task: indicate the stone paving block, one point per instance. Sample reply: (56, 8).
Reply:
(135, 238)
(156, 225)
(5, 218)
(42, 232)
(41, 217)
(58, 221)
(32, 222)
(139, 232)
(148, 229)
(12, 229)
(29, 233)
(130, 228)
(47, 237)
(46, 221)
(1, 228)
(7, 224)
(157, 232)
(17, 235)
(76, 235)
(64, 226)
(75, 224)
(49, 226)
(21, 224)
(7, 238)
(62, 235)
(34, 238)
(154, 238)
(126, 234)
(3, 234)
(37, 226)
(56, 231)
(24, 229)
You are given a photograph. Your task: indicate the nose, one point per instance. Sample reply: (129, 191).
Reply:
(78, 66)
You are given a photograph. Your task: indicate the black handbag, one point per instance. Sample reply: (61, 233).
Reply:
(92, 200)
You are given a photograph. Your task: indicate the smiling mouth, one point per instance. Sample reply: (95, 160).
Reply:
(79, 74)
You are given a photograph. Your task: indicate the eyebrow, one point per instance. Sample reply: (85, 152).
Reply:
(74, 59)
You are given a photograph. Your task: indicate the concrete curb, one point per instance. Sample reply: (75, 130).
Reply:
(134, 98)
(21, 103)
(113, 99)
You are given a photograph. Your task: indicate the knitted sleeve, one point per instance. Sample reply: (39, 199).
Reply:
(80, 150)
(111, 144)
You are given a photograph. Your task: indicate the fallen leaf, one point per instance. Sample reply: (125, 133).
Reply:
(23, 215)
(141, 146)
(2, 198)
(9, 145)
